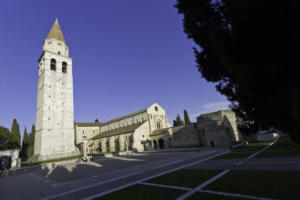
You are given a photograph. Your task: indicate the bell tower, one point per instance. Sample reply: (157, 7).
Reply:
(54, 136)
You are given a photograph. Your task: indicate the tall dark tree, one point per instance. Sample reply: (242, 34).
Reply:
(179, 121)
(4, 137)
(97, 121)
(15, 136)
(175, 123)
(186, 118)
(249, 48)
(25, 145)
(31, 138)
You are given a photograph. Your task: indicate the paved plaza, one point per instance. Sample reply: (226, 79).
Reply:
(106, 175)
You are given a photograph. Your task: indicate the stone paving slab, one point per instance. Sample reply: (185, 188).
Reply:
(35, 185)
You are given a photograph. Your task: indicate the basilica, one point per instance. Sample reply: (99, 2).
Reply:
(58, 136)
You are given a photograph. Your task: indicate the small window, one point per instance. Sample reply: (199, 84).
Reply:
(156, 108)
(58, 53)
(64, 67)
(53, 64)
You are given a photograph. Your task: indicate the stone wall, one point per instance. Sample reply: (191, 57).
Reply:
(14, 154)
(88, 132)
(185, 136)
(218, 129)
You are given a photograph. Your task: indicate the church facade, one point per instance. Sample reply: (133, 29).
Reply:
(128, 133)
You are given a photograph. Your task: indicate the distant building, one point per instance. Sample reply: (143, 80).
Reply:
(130, 132)
(267, 135)
(218, 129)
(148, 129)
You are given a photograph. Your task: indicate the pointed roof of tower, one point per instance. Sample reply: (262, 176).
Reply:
(56, 32)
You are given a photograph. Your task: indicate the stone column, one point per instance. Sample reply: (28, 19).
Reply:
(112, 144)
(122, 143)
(103, 145)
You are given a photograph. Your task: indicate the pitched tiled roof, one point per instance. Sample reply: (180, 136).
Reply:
(88, 124)
(118, 131)
(56, 32)
(124, 117)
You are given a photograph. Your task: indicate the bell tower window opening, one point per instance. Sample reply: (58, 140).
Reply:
(64, 67)
(53, 64)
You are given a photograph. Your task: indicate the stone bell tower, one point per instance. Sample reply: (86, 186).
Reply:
(54, 136)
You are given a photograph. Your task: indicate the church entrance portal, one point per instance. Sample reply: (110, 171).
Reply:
(117, 145)
(161, 143)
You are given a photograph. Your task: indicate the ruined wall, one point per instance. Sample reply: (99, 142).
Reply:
(185, 136)
(218, 129)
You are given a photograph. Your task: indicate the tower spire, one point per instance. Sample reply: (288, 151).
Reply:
(56, 32)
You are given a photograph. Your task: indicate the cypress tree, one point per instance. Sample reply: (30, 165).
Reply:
(97, 121)
(174, 123)
(25, 145)
(186, 118)
(30, 150)
(15, 136)
(179, 120)
(4, 137)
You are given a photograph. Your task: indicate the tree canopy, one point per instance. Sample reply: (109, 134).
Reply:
(25, 145)
(178, 121)
(31, 138)
(249, 48)
(15, 136)
(4, 137)
(186, 118)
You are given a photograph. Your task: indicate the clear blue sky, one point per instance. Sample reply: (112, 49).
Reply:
(126, 55)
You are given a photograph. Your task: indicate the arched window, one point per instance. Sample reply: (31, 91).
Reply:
(53, 64)
(64, 67)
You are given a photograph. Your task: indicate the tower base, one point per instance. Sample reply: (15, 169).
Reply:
(44, 157)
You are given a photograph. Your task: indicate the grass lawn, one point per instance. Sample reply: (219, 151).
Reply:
(272, 184)
(284, 147)
(206, 196)
(145, 192)
(245, 151)
(186, 177)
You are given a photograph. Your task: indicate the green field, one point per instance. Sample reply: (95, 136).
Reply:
(271, 184)
(143, 192)
(284, 147)
(185, 178)
(138, 192)
(245, 151)
(206, 196)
